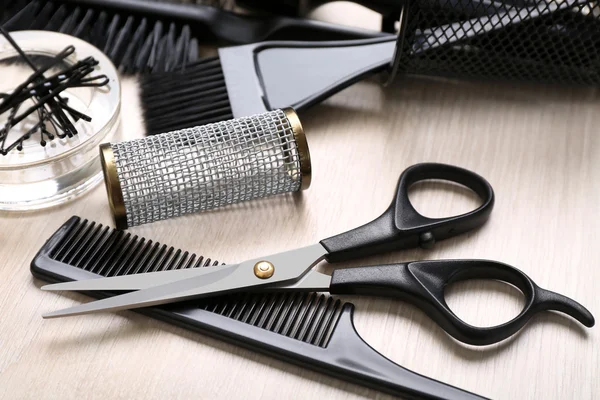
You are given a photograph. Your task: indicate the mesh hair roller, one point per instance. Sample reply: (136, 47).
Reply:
(205, 167)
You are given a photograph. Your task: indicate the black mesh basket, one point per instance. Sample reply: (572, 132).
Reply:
(554, 41)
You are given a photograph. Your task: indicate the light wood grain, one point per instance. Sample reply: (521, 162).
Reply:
(538, 146)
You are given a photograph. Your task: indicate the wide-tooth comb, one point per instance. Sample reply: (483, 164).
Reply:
(134, 43)
(312, 330)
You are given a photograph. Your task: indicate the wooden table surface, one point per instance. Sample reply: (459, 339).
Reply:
(538, 146)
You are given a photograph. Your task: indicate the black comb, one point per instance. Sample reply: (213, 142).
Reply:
(308, 329)
(142, 36)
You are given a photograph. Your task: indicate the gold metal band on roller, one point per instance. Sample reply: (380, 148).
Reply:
(302, 146)
(113, 186)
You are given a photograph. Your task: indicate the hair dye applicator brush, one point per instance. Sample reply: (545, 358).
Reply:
(253, 79)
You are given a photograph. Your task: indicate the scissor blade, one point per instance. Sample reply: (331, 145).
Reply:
(289, 267)
(175, 291)
(135, 281)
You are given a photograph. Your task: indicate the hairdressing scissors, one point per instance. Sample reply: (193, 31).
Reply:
(421, 283)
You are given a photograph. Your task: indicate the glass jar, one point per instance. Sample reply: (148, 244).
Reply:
(42, 176)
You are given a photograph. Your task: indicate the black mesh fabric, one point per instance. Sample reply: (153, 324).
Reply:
(554, 41)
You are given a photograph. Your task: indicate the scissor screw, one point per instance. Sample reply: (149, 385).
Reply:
(264, 269)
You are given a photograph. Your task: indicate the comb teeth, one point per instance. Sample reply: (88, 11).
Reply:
(108, 252)
(308, 317)
(133, 43)
(193, 97)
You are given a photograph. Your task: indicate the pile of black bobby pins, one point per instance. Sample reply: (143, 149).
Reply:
(55, 116)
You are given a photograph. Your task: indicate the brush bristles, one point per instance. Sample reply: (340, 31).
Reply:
(90, 246)
(134, 43)
(192, 97)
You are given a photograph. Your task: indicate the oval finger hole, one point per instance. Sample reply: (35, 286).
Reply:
(435, 198)
(484, 303)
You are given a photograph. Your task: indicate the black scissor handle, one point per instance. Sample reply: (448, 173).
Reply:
(422, 283)
(402, 227)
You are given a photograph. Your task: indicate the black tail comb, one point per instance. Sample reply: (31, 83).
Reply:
(312, 330)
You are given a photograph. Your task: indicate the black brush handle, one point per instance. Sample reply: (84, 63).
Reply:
(422, 284)
(402, 227)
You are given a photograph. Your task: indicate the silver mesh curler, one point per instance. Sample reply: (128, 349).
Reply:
(205, 167)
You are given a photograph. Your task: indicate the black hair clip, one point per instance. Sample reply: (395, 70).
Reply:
(44, 92)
